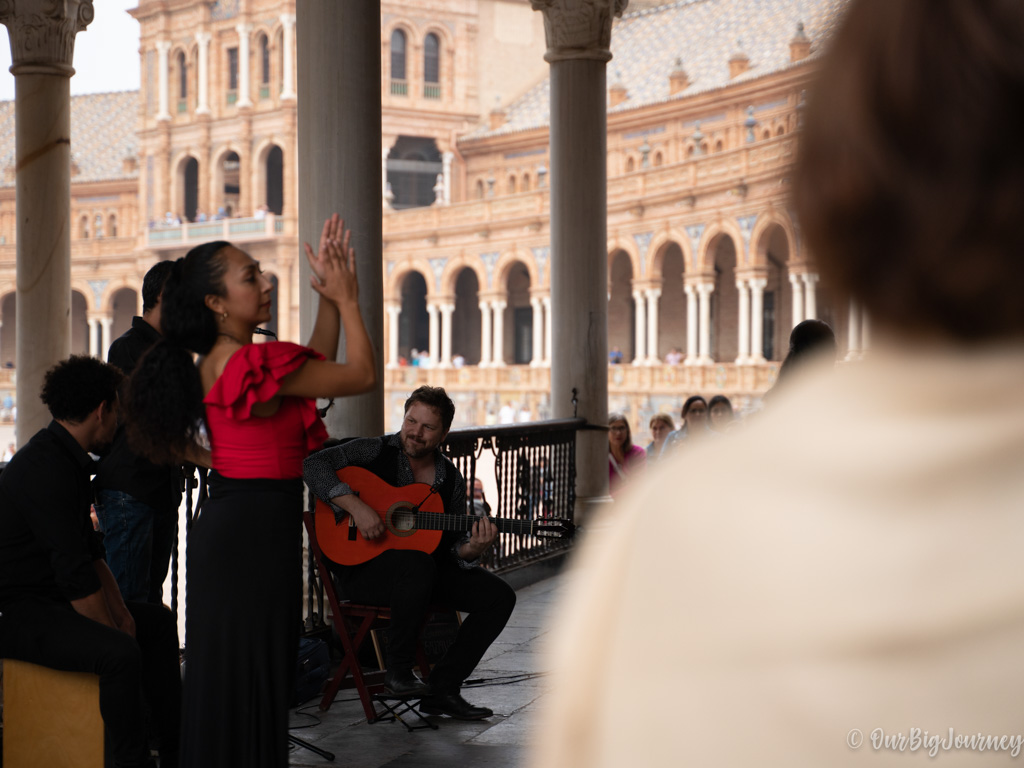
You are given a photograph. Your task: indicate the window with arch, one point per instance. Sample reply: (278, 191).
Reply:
(232, 75)
(658, 159)
(479, 189)
(781, 131)
(719, 146)
(690, 150)
(83, 227)
(630, 165)
(264, 48)
(511, 184)
(432, 67)
(526, 182)
(112, 225)
(399, 86)
(766, 135)
(182, 82)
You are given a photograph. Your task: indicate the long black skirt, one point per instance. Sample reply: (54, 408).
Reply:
(243, 615)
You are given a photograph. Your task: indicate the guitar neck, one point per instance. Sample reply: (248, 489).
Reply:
(432, 521)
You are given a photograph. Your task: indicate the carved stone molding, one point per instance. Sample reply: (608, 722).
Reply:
(42, 33)
(578, 29)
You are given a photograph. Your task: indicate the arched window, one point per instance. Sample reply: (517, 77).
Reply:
(526, 182)
(630, 165)
(479, 190)
(658, 159)
(781, 131)
(767, 134)
(112, 225)
(432, 67)
(690, 150)
(182, 81)
(511, 185)
(264, 48)
(399, 87)
(719, 146)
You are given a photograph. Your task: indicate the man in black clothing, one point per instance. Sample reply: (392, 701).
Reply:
(136, 500)
(408, 581)
(59, 604)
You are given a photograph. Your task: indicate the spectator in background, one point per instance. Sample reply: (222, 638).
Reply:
(615, 356)
(674, 356)
(661, 426)
(812, 344)
(624, 458)
(720, 414)
(694, 426)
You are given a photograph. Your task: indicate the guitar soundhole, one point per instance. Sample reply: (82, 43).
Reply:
(401, 520)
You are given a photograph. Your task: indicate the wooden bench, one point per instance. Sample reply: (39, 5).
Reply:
(51, 718)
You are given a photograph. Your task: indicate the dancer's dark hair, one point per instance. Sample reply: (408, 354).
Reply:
(164, 402)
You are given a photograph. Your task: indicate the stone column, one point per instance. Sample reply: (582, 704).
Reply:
(244, 98)
(106, 323)
(810, 296)
(42, 37)
(499, 333)
(653, 294)
(798, 298)
(446, 177)
(394, 310)
(163, 47)
(691, 325)
(485, 333)
(287, 54)
(704, 291)
(547, 330)
(203, 76)
(384, 152)
(578, 39)
(434, 333)
(446, 334)
(743, 356)
(95, 341)
(337, 119)
(639, 327)
(537, 353)
(757, 286)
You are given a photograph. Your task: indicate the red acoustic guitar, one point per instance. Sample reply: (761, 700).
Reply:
(413, 518)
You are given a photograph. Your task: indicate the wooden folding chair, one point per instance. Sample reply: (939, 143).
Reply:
(369, 686)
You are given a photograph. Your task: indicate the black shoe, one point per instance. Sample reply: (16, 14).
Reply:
(405, 683)
(455, 706)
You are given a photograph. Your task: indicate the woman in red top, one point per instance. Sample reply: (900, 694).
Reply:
(244, 549)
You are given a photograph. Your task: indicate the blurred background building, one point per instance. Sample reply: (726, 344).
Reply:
(707, 273)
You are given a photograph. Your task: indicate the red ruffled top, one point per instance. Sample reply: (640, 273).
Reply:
(246, 446)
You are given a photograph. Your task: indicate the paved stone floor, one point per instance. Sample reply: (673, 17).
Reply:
(512, 683)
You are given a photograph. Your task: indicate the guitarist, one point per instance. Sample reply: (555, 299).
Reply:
(408, 581)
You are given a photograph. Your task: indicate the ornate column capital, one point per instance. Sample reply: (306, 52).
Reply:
(578, 29)
(42, 33)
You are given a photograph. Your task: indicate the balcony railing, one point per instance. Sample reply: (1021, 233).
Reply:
(431, 91)
(244, 229)
(399, 88)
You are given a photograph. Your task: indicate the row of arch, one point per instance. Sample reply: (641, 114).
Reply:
(269, 54)
(226, 183)
(96, 225)
(697, 244)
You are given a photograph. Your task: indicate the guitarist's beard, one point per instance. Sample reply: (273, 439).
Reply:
(416, 450)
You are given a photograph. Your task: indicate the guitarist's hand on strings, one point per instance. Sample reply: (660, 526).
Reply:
(481, 537)
(367, 521)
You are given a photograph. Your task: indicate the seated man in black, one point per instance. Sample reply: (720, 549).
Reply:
(59, 604)
(408, 581)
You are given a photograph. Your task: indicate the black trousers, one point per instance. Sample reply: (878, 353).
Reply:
(53, 634)
(408, 582)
